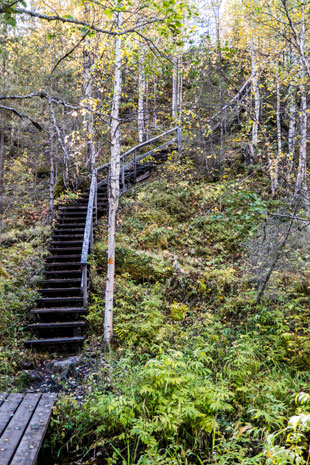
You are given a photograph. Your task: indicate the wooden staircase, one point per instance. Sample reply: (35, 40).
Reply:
(63, 292)
(60, 307)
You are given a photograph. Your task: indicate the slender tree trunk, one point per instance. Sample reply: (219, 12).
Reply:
(2, 123)
(154, 101)
(141, 94)
(292, 128)
(2, 151)
(52, 177)
(89, 117)
(279, 135)
(147, 111)
(114, 188)
(301, 174)
(66, 154)
(180, 88)
(256, 96)
(174, 88)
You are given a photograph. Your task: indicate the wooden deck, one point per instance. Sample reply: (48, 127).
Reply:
(24, 419)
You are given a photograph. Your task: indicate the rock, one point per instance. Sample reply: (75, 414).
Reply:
(34, 375)
(27, 364)
(60, 366)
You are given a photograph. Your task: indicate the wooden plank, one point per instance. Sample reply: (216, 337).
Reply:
(7, 410)
(15, 429)
(3, 396)
(29, 447)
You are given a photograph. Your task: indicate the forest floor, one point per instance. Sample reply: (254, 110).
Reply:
(199, 372)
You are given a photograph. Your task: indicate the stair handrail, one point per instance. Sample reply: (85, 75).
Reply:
(88, 238)
(177, 139)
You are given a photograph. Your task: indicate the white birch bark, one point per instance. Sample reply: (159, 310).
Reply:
(180, 88)
(292, 126)
(174, 88)
(279, 135)
(154, 101)
(255, 94)
(146, 111)
(141, 93)
(301, 174)
(114, 187)
(89, 117)
(52, 177)
(2, 122)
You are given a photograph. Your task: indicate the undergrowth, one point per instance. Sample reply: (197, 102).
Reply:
(21, 260)
(199, 372)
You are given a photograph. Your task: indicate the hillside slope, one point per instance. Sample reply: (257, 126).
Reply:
(200, 373)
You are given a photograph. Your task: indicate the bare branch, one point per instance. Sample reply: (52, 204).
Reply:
(68, 53)
(55, 100)
(92, 27)
(22, 116)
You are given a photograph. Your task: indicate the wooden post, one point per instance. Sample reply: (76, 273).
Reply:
(91, 245)
(123, 175)
(96, 200)
(84, 285)
(135, 165)
(179, 139)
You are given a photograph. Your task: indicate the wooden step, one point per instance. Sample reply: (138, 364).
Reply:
(71, 265)
(72, 216)
(73, 208)
(67, 250)
(65, 274)
(57, 310)
(65, 237)
(73, 226)
(63, 243)
(67, 231)
(55, 340)
(66, 324)
(59, 301)
(67, 281)
(74, 291)
(56, 258)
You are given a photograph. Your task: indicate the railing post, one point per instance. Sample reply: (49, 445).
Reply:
(84, 285)
(179, 139)
(123, 174)
(135, 165)
(96, 200)
(91, 245)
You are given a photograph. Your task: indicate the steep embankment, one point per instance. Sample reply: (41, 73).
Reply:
(199, 373)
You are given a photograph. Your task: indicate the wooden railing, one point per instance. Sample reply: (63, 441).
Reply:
(92, 210)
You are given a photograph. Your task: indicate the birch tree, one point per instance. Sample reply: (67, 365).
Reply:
(114, 187)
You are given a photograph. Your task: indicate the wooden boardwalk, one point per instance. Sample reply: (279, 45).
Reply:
(24, 419)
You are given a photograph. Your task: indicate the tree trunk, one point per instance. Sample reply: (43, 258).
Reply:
(2, 122)
(174, 88)
(301, 174)
(141, 93)
(89, 117)
(180, 88)
(292, 128)
(114, 187)
(256, 95)
(52, 177)
(279, 135)
(147, 111)
(154, 102)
